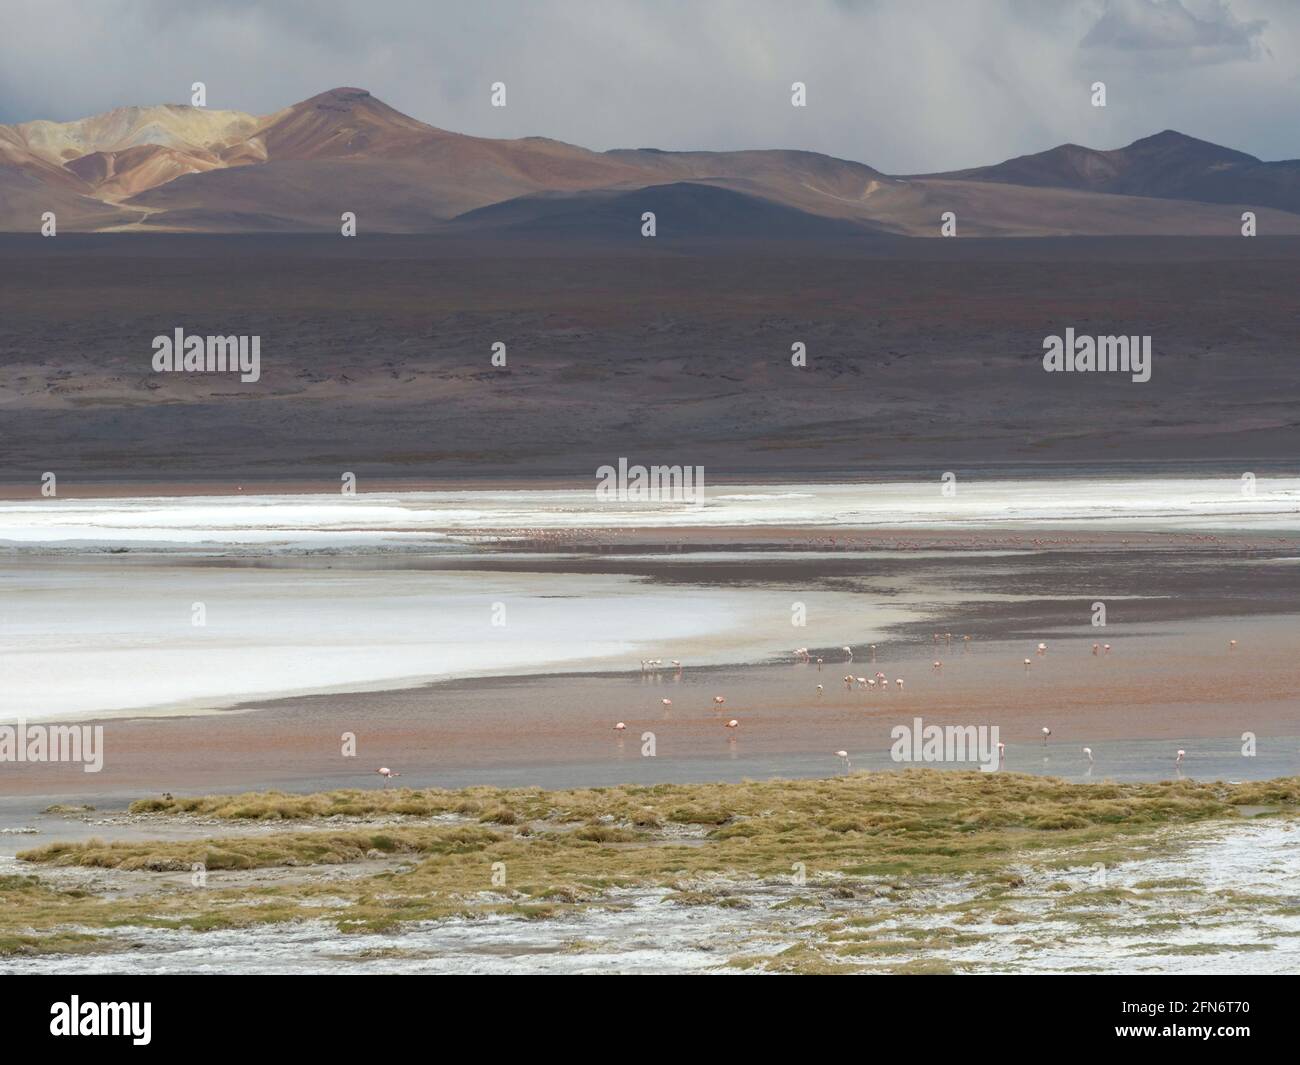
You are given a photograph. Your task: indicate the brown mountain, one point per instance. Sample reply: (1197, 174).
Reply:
(173, 167)
(1167, 165)
(344, 150)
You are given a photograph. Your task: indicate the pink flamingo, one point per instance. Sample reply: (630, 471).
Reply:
(733, 723)
(844, 756)
(667, 703)
(1088, 752)
(1179, 759)
(619, 727)
(718, 700)
(1046, 732)
(1028, 663)
(899, 682)
(387, 774)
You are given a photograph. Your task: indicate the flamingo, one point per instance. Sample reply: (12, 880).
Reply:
(1105, 648)
(718, 700)
(819, 665)
(1232, 645)
(938, 664)
(1028, 663)
(899, 682)
(1088, 752)
(819, 689)
(1042, 648)
(1046, 732)
(844, 756)
(733, 723)
(848, 683)
(862, 682)
(1002, 752)
(1179, 759)
(387, 774)
(848, 651)
(667, 703)
(1096, 647)
(619, 727)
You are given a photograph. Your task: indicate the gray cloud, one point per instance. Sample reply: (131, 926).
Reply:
(905, 85)
(1168, 27)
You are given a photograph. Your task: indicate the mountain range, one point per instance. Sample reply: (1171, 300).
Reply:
(189, 169)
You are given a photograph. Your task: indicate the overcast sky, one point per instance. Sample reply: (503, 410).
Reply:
(905, 85)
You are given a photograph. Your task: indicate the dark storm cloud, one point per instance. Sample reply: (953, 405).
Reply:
(906, 85)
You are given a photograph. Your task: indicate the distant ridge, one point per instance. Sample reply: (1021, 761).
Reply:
(173, 167)
(1166, 165)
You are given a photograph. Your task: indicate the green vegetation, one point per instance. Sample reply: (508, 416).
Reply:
(862, 841)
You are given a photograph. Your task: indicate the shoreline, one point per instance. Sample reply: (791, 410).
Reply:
(99, 486)
(554, 730)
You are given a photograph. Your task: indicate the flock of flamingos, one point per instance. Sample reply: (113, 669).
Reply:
(878, 682)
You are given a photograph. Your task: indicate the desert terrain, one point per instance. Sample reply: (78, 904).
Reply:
(376, 357)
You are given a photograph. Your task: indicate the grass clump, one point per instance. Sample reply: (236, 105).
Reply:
(534, 854)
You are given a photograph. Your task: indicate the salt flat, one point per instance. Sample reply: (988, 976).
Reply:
(427, 519)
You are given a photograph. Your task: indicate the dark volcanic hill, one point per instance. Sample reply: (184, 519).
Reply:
(687, 209)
